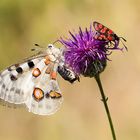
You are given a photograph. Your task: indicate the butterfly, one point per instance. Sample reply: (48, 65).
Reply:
(33, 82)
(105, 34)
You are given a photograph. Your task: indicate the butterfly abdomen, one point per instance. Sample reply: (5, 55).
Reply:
(67, 74)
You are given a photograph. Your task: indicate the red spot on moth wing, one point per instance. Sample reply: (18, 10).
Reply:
(104, 30)
(97, 26)
(110, 32)
(96, 36)
(103, 37)
(100, 26)
(100, 38)
(110, 38)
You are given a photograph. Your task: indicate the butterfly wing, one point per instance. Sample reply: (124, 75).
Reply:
(32, 83)
(103, 33)
(13, 80)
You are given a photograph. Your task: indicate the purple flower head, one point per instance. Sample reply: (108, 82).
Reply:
(85, 54)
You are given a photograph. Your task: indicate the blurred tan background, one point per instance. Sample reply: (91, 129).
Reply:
(82, 116)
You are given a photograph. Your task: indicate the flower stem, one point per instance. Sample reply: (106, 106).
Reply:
(104, 100)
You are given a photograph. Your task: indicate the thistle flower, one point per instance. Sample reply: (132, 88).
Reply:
(85, 54)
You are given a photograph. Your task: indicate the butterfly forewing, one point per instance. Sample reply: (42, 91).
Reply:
(13, 82)
(33, 83)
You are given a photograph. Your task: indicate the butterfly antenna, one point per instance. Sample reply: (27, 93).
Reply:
(33, 49)
(56, 41)
(37, 46)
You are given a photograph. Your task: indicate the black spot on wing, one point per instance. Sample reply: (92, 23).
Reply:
(12, 89)
(13, 78)
(17, 91)
(31, 64)
(9, 69)
(19, 70)
(47, 95)
(3, 86)
(6, 89)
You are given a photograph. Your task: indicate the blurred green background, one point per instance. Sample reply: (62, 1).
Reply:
(82, 116)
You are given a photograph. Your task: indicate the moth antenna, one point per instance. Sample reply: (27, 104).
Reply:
(124, 46)
(123, 43)
(123, 39)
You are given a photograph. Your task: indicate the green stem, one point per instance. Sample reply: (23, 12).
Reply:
(104, 99)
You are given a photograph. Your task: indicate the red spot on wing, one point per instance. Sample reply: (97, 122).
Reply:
(38, 94)
(100, 26)
(100, 36)
(96, 36)
(103, 30)
(96, 26)
(36, 72)
(110, 38)
(103, 37)
(110, 32)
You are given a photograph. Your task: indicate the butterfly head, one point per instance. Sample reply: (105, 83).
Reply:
(52, 50)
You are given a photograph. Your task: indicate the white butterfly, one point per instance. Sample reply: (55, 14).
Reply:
(33, 83)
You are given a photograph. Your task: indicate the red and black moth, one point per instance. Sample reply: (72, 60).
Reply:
(105, 34)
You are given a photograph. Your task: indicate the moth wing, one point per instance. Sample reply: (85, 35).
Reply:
(103, 32)
(17, 85)
(96, 25)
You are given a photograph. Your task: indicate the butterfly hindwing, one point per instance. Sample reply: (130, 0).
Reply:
(46, 96)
